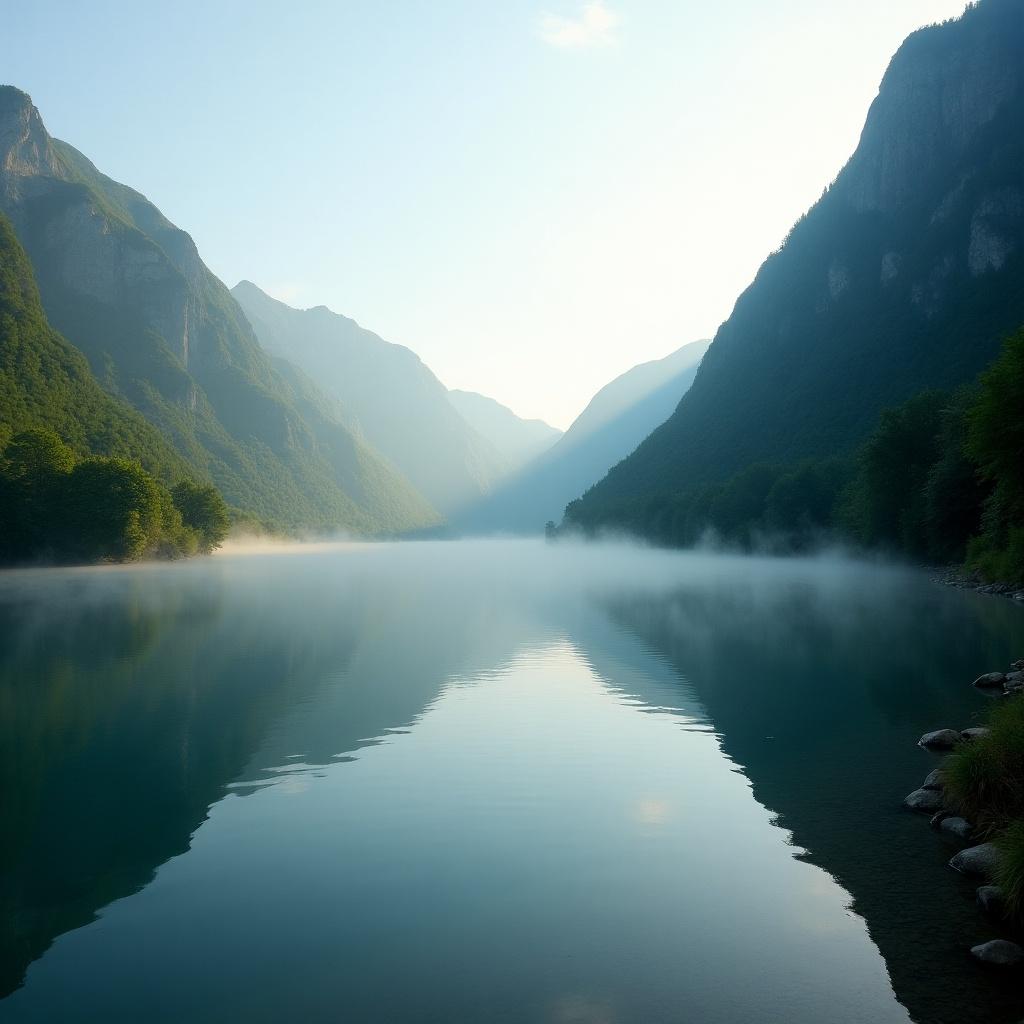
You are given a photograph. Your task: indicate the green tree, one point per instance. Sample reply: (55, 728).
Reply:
(885, 506)
(202, 510)
(35, 463)
(114, 510)
(996, 441)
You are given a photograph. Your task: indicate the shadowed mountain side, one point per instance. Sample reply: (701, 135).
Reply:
(515, 439)
(907, 274)
(399, 406)
(616, 420)
(815, 755)
(128, 288)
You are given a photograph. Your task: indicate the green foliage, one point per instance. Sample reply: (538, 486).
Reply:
(886, 503)
(99, 509)
(1010, 873)
(996, 442)
(985, 777)
(941, 479)
(203, 511)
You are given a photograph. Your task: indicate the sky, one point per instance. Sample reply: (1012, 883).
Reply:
(533, 195)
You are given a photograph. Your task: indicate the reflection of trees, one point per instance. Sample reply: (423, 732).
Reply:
(129, 702)
(819, 693)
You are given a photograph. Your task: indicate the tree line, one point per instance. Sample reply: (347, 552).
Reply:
(940, 479)
(57, 507)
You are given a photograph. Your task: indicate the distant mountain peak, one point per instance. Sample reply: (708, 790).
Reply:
(25, 145)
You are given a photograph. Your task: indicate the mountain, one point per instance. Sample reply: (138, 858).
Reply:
(46, 382)
(905, 275)
(393, 399)
(516, 440)
(617, 419)
(160, 331)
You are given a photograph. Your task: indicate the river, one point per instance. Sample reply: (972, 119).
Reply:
(486, 781)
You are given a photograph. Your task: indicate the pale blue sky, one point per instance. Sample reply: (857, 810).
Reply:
(534, 196)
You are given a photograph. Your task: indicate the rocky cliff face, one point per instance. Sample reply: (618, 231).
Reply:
(129, 289)
(905, 275)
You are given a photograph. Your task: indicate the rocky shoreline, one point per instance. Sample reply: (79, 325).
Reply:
(954, 576)
(981, 858)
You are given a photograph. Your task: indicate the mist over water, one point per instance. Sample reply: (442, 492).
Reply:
(485, 781)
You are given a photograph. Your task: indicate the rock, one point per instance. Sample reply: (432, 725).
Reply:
(934, 780)
(978, 733)
(1018, 666)
(938, 818)
(999, 953)
(1019, 596)
(977, 860)
(990, 899)
(990, 679)
(1014, 677)
(941, 739)
(959, 827)
(929, 800)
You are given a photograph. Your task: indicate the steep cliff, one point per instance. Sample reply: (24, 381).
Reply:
(906, 274)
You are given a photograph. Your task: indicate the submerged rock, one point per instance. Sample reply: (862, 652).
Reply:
(990, 899)
(980, 732)
(933, 780)
(990, 679)
(999, 952)
(959, 827)
(929, 800)
(977, 860)
(941, 739)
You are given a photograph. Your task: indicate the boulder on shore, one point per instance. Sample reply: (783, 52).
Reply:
(927, 800)
(959, 827)
(999, 952)
(990, 679)
(933, 780)
(977, 860)
(990, 899)
(977, 733)
(941, 739)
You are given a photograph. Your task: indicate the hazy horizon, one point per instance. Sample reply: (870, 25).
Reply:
(597, 198)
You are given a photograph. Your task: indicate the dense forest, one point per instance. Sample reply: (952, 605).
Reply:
(940, 479)
(58, 508)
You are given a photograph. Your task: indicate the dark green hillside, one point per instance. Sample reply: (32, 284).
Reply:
(45, 382)
(905, 276)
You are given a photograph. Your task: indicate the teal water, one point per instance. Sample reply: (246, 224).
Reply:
(485, 781)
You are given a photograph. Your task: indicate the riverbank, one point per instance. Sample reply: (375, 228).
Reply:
(955, 576)
(976, 797)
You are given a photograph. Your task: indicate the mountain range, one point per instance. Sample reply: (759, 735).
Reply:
(616, 420)
(392, 399)
(162, 334)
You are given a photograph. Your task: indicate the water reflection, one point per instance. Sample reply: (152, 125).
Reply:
(477, 782)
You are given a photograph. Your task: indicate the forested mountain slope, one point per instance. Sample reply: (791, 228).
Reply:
(128, 288)
(46, 382)
(905, 275)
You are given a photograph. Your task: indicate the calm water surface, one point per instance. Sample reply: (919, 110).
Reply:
(485, 781)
